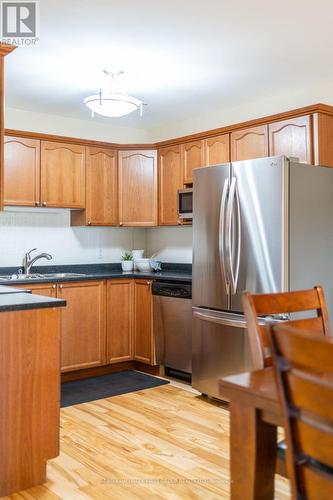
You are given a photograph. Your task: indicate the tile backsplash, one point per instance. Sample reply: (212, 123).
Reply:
(49, 230)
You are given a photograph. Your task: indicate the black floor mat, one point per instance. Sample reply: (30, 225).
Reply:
(106, 386)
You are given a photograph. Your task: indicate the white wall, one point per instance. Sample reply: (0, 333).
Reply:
(319, 92)
(172, 244)
(50, 232)
(20, 119)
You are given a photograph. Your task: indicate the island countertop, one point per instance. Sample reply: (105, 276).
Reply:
(16, 299)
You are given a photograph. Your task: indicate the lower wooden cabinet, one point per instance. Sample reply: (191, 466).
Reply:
(104, 321)
(119, 313)
(82, 325)
(143, 322)
(46, 289)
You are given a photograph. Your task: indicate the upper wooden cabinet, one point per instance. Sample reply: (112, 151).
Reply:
(119, 310)
(62, 175)
(137, 175)
(101, 189)
(249, 143)
(292, 138)
(193, 157)
(217, 150)
(170, 179)
(21, 171)
(82, 324)
(4, 50)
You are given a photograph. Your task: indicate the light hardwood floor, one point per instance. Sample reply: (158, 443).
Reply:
(161, 443)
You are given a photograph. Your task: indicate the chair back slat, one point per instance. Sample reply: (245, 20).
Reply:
(307, 302)
(303, 364)
(316, 484)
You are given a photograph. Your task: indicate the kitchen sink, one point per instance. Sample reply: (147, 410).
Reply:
(63, 275)
(32, 276)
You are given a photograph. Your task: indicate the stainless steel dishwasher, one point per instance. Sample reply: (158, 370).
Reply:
(173, 325)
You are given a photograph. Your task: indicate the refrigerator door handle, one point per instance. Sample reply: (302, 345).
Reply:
(239, 238)
(222, 234)
(212, 317)
(233, 195)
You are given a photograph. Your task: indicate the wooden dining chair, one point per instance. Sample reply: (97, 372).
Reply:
(303, 364)
(285, 303)
(311, 302)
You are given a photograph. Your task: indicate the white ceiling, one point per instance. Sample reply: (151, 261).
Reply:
(180, 56)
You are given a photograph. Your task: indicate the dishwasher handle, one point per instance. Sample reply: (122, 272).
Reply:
(176, 290)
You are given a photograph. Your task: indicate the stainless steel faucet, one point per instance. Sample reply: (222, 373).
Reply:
(28, 261)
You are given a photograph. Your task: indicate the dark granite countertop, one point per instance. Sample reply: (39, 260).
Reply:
(170, 272)
(14, 299)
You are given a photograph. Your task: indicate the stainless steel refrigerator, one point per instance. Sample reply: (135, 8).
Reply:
(262, 225)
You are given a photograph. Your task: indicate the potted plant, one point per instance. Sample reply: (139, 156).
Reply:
(127, 261)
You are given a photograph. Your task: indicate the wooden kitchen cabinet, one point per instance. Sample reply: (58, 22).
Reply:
(30, 394)
(292, 137)
(83, 326)
(4, 50)
(217, 150)
(249, 143)
(62, 175)
(21, 171)
(144, 348)
(46, 289)
(137, 175)
(101, 189)
(170, 179)
(192, 157)
(119, 314)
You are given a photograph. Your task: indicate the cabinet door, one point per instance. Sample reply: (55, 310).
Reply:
(137, 175)
(193, 157)
(46, 289)
(249, 143)
(170, 180)
(82, 325)
(21, 171)
(62, 175)
(217, 150)
(101, 186)
(291, 138)
(144, 349)
(119, 320)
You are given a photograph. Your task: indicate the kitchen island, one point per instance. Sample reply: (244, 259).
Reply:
(30, 387)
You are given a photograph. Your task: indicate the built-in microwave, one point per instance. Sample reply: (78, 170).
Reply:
(185, 203)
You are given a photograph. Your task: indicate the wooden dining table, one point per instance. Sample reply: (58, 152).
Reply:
(254, 418)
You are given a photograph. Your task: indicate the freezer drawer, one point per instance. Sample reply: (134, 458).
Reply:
(219, 348)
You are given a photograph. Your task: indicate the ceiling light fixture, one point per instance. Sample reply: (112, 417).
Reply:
(113, 103)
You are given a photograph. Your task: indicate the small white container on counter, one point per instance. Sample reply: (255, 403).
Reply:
(143, 265)
(127, 265)
(137, 255)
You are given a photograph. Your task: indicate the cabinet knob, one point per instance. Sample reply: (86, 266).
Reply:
(36, 203)
(89, 223)
(44, 204)
(120, 223)
(54, 286)
(60, 286)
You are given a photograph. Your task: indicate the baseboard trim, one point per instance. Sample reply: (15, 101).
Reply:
(104, 370)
